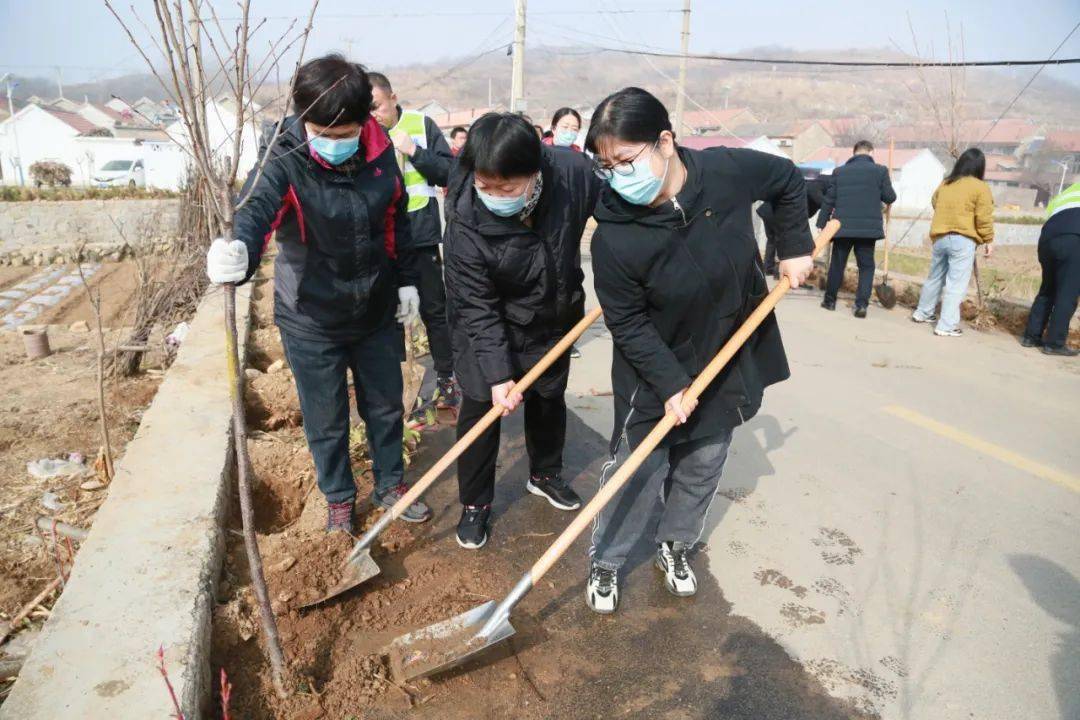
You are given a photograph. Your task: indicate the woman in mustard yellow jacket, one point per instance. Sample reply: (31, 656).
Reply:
(963, 220)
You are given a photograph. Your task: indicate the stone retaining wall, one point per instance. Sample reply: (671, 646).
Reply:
(26, 228)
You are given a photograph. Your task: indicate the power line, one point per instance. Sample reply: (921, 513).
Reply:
(1023, 89)
(847, 63)
(465, 14)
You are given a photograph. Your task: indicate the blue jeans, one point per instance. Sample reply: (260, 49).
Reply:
(950, 266)
(320, 370)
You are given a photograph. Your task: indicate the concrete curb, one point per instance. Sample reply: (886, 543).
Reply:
(145, 577)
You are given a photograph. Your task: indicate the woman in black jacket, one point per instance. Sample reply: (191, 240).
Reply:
(515, 214)
(677, 271)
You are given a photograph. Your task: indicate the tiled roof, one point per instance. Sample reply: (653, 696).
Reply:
(73, 120)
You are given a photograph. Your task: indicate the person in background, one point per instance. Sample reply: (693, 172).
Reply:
(516, 211)
(344, 275)
(963, 220)
(458, 136)
(425, 162)
(815, 196)
(677, 272)
(854, 197)
(1059, 256)
(565, 126)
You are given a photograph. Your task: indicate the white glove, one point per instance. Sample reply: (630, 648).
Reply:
(408, 309)
(226, 261)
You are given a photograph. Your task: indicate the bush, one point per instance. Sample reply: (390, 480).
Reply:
(47, 172)
(13, 193)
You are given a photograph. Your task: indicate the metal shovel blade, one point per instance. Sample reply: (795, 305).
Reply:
(886, 295)
(353, 572)
(443, 645)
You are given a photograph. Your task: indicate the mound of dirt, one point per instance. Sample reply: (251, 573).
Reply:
(272, 402)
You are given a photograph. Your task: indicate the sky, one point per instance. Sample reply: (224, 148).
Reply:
(85, 42)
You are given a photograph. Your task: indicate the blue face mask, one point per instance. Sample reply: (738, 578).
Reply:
(565, 138)
(504, 206)
(641, 186)
(333, 151)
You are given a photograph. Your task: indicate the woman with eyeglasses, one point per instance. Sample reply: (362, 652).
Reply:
(515, 214)
(677, 270)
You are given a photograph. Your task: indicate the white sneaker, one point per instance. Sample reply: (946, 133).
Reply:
(602, 590)
(915, 317)
(679, 578)
(957, 332)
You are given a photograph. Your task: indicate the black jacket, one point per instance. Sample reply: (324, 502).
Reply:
(854, 197)
(1063, 222)
(815, 197)
(513, 290)
(676, 281)
(433, 162)
(341, 234)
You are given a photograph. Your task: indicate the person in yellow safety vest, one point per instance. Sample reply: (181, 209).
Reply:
(1059, 256)
(424, 157)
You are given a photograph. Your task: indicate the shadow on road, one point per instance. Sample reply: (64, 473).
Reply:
(1057, 592)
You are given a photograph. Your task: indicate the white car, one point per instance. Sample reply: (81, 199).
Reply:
(121, 173)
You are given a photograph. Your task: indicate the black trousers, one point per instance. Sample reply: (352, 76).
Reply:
(320, 370)
(1055, 304)
(545, 436)
(433, 309)
(772, 264)
(864, 259)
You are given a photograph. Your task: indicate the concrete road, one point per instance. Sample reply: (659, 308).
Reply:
(903, 516)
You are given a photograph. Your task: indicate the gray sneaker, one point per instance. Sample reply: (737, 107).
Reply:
(417, 512)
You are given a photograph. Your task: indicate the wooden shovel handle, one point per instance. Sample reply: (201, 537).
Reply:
(492, 415)
(612, 486)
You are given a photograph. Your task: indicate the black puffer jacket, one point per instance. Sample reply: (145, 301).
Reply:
(854, 197)
(677, 280)
(341, 232)
(513, 290)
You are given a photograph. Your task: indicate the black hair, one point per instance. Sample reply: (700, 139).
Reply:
(864, 146)
(378, 80)
(971, 163)
(544, 133)
(456, 130)
(332, 91)
(563, 112)
(631, 114)
(502, 145)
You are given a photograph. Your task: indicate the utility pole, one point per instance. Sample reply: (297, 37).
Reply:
(680, 99)
(14, 130)
(60, 81)
(517, 79)
(489, 93)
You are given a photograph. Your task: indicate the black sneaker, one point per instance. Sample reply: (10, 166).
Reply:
(1030, 342)
(472, 528)
(602, 590)
(339, 516)
(418, 512)
(860, 312)
(556, 490)
(828, 304)
(672, 561)
(448, 394)
(1063, 351)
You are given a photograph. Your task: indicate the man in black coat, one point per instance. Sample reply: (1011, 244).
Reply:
(425, 159)
(854, 197)
(515, 215)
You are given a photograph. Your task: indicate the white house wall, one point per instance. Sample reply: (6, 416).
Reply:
(166, 165)
(41, 136)
(93, 152)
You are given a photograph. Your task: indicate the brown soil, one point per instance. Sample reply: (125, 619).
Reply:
(49, 408)
(11, 275)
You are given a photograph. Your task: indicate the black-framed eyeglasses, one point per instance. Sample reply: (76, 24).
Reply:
(623, 167)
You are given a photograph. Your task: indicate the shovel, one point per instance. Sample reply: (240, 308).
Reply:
(886, 293)
(360, 566)
(448, 643)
